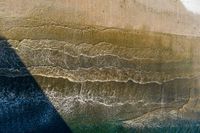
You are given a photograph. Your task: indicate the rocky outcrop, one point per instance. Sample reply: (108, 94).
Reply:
(96, 67)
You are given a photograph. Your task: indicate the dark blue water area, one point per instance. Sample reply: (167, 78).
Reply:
(24, 108)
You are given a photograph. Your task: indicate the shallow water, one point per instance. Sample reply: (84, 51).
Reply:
(25, 108)
(170, 127)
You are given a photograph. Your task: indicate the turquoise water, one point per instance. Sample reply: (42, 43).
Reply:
(177, 126)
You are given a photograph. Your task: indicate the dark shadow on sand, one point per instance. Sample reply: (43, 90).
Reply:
(24, 108)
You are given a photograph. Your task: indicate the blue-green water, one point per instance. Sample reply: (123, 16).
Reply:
(176, 126)
(24, 108)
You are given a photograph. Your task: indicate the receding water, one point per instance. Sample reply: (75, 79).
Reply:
(24, 108)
